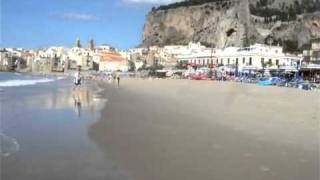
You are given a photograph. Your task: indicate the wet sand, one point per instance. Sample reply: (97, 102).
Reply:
(44, 134)
(187, 130)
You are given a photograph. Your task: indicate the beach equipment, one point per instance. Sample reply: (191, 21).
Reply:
(265, 81)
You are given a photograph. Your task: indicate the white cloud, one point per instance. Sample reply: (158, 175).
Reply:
(156, 2)
(76, 16)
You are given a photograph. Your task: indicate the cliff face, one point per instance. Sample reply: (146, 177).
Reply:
(225, 24)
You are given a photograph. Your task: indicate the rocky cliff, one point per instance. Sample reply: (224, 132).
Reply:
(235, 23)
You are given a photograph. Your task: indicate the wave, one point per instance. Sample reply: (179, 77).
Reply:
(19, 82)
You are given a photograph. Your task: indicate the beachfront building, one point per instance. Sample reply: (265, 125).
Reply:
(158, 56)
(203, 57)
(258, 56)
(49, 59)
(27, 59)
(138, 56)
(110, 61)
(80, 57)
(313, 56)
(12, 58)
(5, 57)
(124, 54)
(310, 68)
(195, 54)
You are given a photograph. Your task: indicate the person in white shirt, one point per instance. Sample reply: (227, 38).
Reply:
(77, 79)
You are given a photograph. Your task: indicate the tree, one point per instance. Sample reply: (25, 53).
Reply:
(152, 69)
(132, 66)
(143, 67)
(181, 65)
(290, 46)
(292, 13)
(269, 40)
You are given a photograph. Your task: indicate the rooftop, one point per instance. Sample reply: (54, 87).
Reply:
(111, 57)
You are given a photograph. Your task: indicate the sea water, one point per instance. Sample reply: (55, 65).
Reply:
(11, 88)
(44, 129)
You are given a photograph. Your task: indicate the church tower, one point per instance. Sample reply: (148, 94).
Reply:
(91, 44)
(78, 43)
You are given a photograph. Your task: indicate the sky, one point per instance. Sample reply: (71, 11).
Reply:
(44, 23)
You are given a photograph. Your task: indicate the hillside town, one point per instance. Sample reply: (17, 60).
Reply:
(188, 59)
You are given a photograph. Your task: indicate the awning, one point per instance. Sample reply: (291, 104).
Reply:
(248, 68)
(310, 67)
(288, 68)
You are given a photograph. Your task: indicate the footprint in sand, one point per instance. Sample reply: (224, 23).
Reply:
(264, 169)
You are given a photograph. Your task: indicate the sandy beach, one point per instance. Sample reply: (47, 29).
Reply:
(180, 129)
(159, 130)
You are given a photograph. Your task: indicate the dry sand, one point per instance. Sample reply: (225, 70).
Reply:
(204, 130)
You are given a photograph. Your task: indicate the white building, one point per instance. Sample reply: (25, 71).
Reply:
(195, 54)
(104, 48)
(4, 58)
(110, 61)
(82, 57)
(259, 56)
(50, 53)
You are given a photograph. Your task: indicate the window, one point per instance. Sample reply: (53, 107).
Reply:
(207, 61)
(237, 61)
(270, 61)
(228, 61)
(199, 62)
(277, 62)
(221, 61)
(244, 60)
(250, 61)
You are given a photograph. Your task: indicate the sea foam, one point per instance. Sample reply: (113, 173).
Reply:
(19, 82)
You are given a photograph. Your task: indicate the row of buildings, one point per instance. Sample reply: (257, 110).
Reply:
(256, 57)
(107, 58)
(61, 59)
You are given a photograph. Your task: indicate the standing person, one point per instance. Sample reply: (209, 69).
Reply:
(77, 79)
(114, 75)
(109, 78)
(117, 76)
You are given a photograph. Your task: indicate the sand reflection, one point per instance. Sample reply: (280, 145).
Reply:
(79, 99)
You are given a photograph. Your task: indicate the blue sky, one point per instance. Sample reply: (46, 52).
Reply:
(42, 23)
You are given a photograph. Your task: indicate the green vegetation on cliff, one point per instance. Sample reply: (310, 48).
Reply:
(263, 8)
(285, 12)
(186, 3)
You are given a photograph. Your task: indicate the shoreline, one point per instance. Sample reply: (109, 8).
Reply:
(87, 76)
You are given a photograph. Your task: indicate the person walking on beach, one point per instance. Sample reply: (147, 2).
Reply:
(117, 76)
(77, 79)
